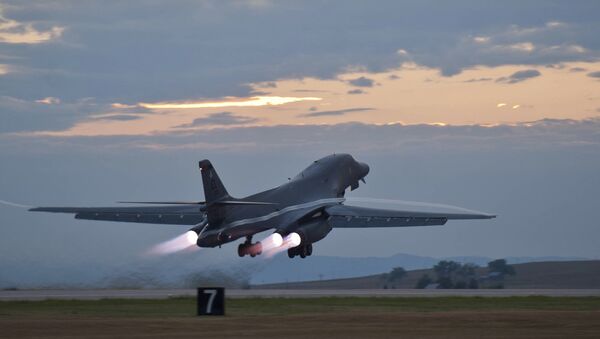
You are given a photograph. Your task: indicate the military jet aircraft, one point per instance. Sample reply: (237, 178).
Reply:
(301, 212)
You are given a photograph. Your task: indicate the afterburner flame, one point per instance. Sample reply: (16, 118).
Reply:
(271, 242)
(191, 237)
(179, 243)
(291, 240)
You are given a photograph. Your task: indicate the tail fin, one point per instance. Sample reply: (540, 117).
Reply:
(213, 187)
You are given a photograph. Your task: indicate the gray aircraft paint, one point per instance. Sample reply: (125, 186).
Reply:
(310, 204)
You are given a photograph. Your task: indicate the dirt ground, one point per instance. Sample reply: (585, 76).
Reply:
(517, 324)
(463, 317)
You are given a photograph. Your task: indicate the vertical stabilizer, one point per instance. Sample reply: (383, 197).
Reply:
(213, 187)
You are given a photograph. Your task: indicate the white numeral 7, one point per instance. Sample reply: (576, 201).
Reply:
(211, 299)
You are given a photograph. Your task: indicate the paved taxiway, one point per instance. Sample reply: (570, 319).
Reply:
(272, 293)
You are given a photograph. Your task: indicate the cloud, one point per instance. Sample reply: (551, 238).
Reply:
(49, 101)
(310, 91)
(540, 134)
(118, 117)
(594, 74)
(577, 69)
(362, 82)
(221, 119)
(479, 79)
(517, 47)
(334, 113)
(520, 76)
(525, 44)
(356, 91)
(14, 32)
(235, 102)
(48, 114)
(221, 50)
(481, 39)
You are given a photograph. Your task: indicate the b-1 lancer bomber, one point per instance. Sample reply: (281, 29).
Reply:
(301, 212)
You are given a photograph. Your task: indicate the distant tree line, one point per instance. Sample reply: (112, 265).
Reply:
(451, 274)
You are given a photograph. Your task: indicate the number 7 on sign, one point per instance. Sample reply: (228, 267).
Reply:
(211, 299)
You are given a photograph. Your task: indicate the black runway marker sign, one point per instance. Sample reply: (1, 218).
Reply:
(211, 301)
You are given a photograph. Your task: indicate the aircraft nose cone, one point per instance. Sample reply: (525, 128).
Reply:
(365, 168)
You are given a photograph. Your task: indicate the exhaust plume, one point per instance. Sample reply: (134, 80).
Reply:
(186, 241)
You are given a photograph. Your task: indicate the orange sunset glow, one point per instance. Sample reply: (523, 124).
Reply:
(410, 94)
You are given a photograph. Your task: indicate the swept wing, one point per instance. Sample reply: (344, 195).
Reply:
(345, 216)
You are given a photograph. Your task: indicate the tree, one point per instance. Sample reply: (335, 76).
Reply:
(467, 270)
(460, 284)
(445, 268)
(500, 266)
(396, 274)
(473, 284)
(445, 282)
(451, 274)
(423, 281)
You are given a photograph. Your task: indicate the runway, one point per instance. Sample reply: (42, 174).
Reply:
(7, 295)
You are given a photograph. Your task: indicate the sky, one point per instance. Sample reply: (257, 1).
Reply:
(485, 105)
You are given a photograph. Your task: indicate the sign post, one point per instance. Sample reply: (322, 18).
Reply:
(211, 301)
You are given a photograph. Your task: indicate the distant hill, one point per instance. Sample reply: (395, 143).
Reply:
(187, 270)
(549, 274)
(282, 269)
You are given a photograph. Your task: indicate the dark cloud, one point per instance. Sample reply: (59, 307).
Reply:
(120, 117)
(336, 112)
(594, 74)
(356, 91)
(270, 84)
(362, 82)
(224, 46)
(310, 91)
(536, 134)
(520, 76)
(393, 77)
(479, 80)
(221, 119)
(23, 115)
(577, 69)
(20, 115)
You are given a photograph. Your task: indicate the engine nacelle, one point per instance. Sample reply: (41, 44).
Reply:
(314, 230)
